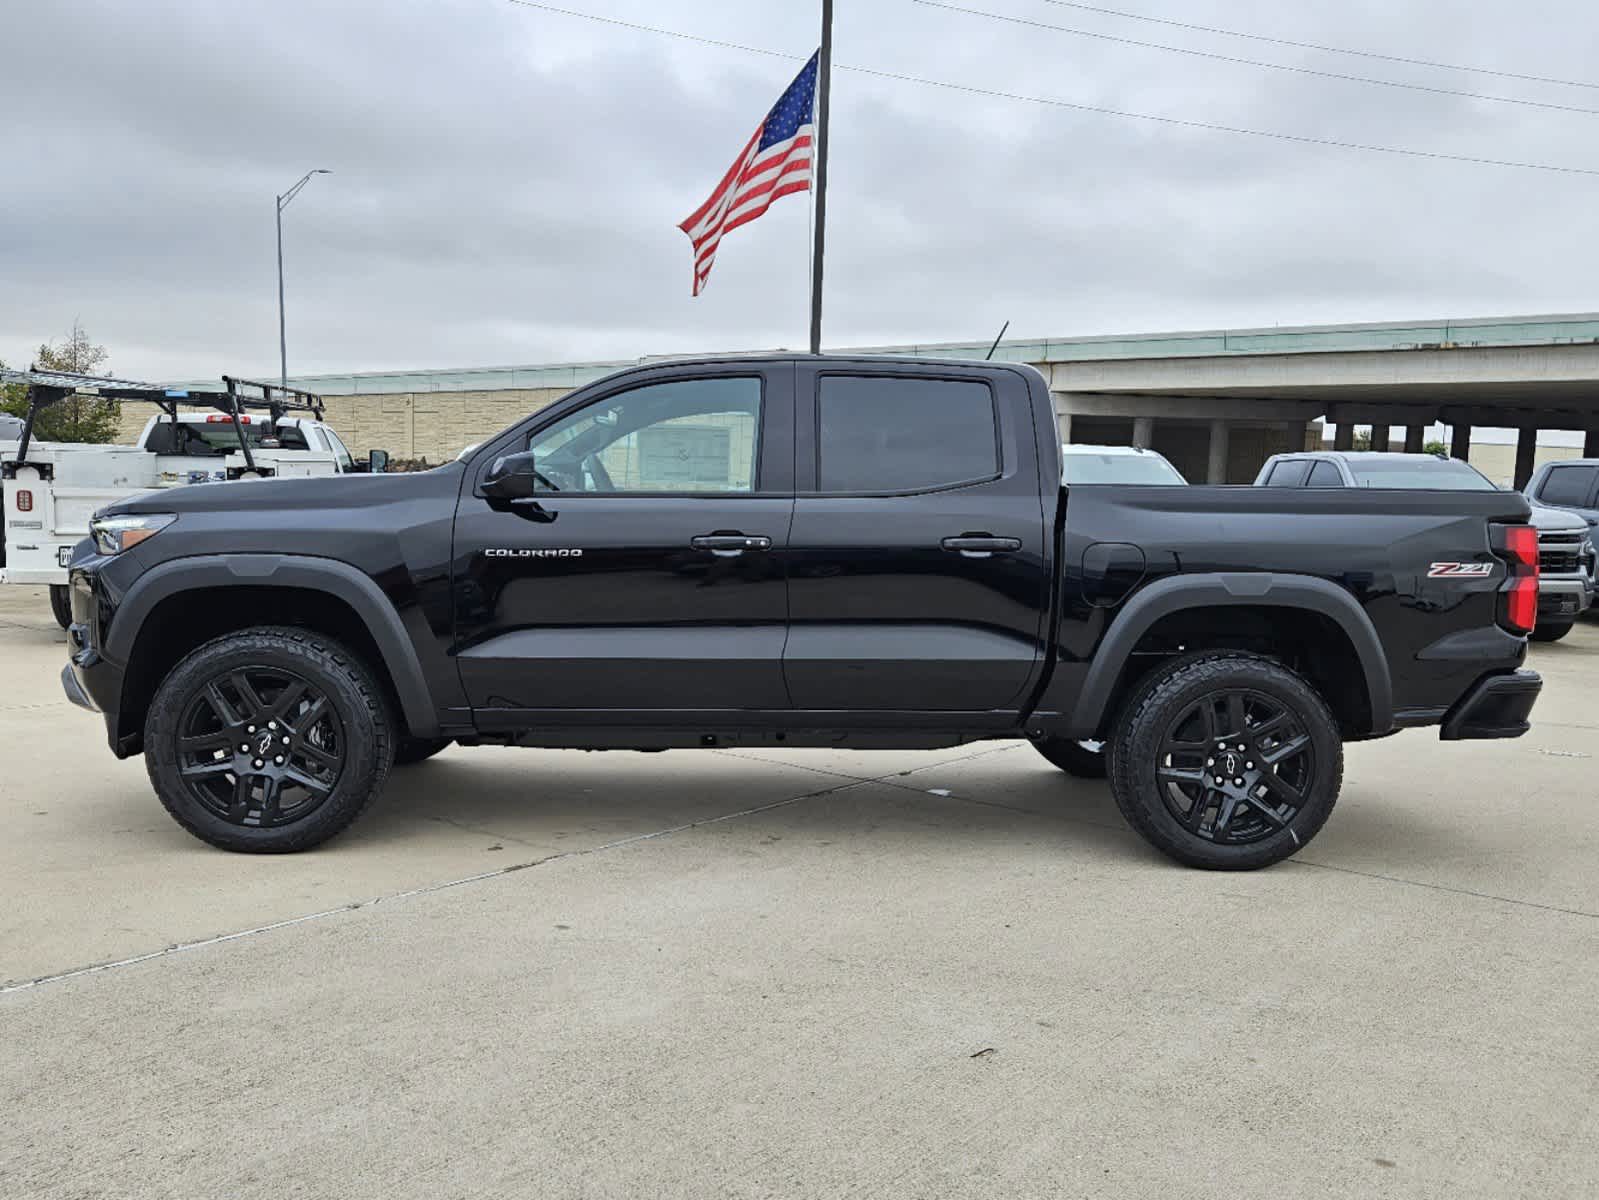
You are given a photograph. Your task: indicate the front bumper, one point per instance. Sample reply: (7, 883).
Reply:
(73, 686)
(1497, 706)
(90, 680)
(1564, 596)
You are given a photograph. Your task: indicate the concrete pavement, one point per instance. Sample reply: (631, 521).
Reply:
(731, 973)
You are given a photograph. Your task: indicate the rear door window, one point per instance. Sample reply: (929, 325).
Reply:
(1568, 485)
(1324, 475)
(877, 434)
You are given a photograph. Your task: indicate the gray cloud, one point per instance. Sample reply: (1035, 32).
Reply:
(508, 182)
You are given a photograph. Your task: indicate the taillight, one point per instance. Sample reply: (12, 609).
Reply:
(24, 501)
(1519, 598)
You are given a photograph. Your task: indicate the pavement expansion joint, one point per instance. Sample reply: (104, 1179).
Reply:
(410, 893)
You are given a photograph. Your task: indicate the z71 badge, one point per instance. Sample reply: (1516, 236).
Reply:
(1476, 570)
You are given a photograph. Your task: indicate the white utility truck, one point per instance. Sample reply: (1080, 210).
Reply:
(51, 489)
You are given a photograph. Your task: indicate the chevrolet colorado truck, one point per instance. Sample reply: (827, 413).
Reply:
(796, 551)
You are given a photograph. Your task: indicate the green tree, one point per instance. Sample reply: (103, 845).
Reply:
(76, 418)
(1362, 440)
(1435, 447)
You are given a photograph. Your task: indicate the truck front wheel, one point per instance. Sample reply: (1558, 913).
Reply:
(1227, 761)
(61, 605)
(268, 741)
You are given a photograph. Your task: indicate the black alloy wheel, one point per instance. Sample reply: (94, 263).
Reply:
(260, 747)
(269, 740)
(1235, 766)
(1226, 760)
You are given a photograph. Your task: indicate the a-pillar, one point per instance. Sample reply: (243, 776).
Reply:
(1526, 450)
(1415, 438)
(1216, 470)
(1143, 432)
(1344, 436)
(1460, 442)
(1379, 437)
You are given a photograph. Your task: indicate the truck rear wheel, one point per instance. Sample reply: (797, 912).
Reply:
(1550, 631)
(1085, 760)
(61, 604)
(268, 741)
(1226, 761)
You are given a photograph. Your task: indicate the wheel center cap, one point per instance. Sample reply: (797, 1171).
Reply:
(1229, 763)
(263, 744)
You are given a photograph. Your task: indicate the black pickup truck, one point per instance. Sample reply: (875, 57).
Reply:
(796, 551)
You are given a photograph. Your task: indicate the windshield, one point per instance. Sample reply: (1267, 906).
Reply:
(220, 436)
(1117, 468)
(1448, 475)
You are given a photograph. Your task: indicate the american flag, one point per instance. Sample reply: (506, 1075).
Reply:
(776, 162)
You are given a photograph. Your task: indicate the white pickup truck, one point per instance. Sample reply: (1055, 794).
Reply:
(52, 489)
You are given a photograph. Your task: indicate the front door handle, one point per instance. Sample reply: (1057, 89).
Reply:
(981, 545)
(729, 545)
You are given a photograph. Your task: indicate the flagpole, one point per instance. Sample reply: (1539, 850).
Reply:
(824, 79)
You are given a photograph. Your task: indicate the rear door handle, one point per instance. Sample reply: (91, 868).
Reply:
(729, 545)
(981, 545)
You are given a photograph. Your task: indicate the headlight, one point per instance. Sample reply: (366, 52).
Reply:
(113, 535)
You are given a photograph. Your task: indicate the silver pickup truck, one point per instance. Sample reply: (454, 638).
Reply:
(1565, 544)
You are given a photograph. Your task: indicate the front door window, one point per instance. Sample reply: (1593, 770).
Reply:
(697, 437)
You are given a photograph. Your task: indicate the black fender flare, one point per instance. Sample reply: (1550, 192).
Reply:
(328, 575)
(1227, 589)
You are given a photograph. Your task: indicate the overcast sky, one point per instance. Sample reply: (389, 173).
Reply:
(508, 181)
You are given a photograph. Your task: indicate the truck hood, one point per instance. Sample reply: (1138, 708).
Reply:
(1549, 519)
(284, 495)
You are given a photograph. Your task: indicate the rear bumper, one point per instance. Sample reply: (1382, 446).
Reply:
(1497, 706)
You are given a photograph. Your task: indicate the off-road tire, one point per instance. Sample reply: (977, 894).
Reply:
(414, 749)
(1073, 757)
(337, 672)
(61, 604)
(1147, 719)
(1550, 631)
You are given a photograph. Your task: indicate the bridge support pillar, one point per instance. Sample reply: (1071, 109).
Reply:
(1526, 450)
(1460, 442)
(1415, 438)
(1379, 437)
(1143, 432)
(1344, 436)
(1590, 444)
(1216, 468)
(1063, 424)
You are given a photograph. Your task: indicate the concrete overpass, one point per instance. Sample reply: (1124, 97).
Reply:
(1264, 386)
(1216, 403)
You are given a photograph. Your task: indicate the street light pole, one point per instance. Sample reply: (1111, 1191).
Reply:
(283, 339)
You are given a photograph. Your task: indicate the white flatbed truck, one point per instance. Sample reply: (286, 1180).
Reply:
(247, 430)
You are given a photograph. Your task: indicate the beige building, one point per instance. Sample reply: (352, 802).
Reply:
(1217, 403)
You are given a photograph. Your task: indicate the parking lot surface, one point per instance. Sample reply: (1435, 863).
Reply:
(742, 973)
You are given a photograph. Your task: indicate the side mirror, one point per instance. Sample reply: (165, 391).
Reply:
(377, 461)
(511, 478)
